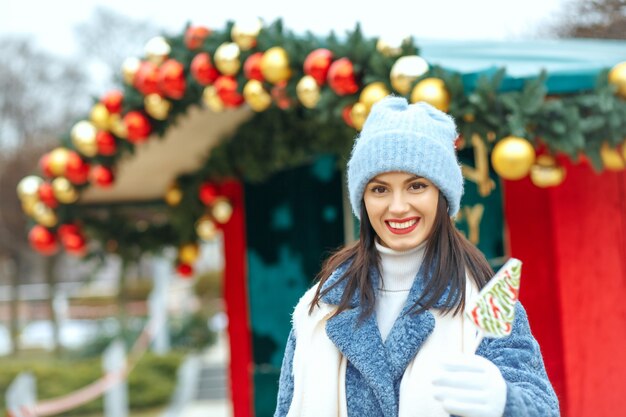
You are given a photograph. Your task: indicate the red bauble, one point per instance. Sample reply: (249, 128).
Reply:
(46, 195)
(252, 67)
(280, 96)
(184, 270)
(137, 126)
(107, 145)
(208, 193)
(345, 114)
(195, 36)
(44, 166)
(172, 79)
(147, 78)
(68, 229)
(76, 170)
(102, 176)
(42, 240)
(113, 101)
(74, 243)
(226, 88)
(202, 69)
(317, 64)
(341, 77)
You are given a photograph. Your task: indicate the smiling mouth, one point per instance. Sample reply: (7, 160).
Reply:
(404, 227)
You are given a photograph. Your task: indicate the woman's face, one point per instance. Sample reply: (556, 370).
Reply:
(401, 208)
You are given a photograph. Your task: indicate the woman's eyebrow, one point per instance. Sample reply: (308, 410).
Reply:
(413, 178)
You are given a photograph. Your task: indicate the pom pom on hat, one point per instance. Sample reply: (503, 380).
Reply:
(414, 138)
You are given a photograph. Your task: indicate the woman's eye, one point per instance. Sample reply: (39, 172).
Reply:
(418, 186)
(378, 189)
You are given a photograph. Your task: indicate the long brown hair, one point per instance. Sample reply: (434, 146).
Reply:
(449, 255)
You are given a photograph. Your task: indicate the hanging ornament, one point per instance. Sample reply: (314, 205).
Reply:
(280, 96)
(308, 91)
(405, 71)
(512, 157)
(58, 161)
(226, 89)
(390, 47)
(206, 228)
(372, 93)
(184, 270)
(317, 64)
(28, 188)
(617, 77)
(157, 107)
(74, 244)
(99, 116)
(611, 159)
(173, 195)
(195, 36)
(83, 136)
(252, 67)
(275, 65)
(76, 169)
(255, 95)
(113, 101)
(42, 240)
(44, 215)
(102, 176)
(341, 77)
(106, 143)
(227, 58)
(208, 193)
(146, 79)
(546, 172)
(171, 79)
(212, 100)
(157, 50)
(345, 115)
(222, 210)
(188, 253)
(118, 128)
(46, 195)
(67, 229)
(130, 66)
(44, 165)
(358, 115)
(433, 91)
(202, 69)
(64, 191)
(138, 127)
(245, 32)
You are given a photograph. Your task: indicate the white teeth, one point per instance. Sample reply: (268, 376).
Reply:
(403, 225)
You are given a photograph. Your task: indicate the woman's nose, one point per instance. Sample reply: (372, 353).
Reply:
(398, 203)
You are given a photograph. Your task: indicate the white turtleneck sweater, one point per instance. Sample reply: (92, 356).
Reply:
(398, 270)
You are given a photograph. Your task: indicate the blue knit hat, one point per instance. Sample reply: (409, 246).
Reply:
(414, 138)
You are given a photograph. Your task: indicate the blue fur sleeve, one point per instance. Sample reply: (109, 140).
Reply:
(285, 383)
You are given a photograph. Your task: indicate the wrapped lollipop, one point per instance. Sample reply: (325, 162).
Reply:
(493, 310)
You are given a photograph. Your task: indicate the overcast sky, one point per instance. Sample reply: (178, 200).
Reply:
(52, 22)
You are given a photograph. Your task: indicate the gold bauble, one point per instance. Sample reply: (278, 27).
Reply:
(118, 127)
(99, 116)
(156, 106)
(83, 136)
(512, 157)
(28, 206)
(390, 47)
(157, 50)
(546, 172)
(57, 161)
(405, 71)
(256, 96)
(173, 195)
(433, 91)
(308, 91)
(275, 65)
(245, 32)
(206, 228)
(212, 100)
(129, 69)
(611, 159)
(221, 210)
(372, 93)
(64, 191)
(226, 58)
(358, 114)
(617, 77)
(188, 253)
(28, 188)
(44, 215)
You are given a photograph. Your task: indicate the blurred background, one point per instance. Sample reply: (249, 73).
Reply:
(61, 314)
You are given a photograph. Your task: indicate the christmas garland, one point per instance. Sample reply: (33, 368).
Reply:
(313, 95)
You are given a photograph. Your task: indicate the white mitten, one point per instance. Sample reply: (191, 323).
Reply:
(470, 386)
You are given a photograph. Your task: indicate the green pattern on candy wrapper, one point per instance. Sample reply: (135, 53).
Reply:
(493, 311)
